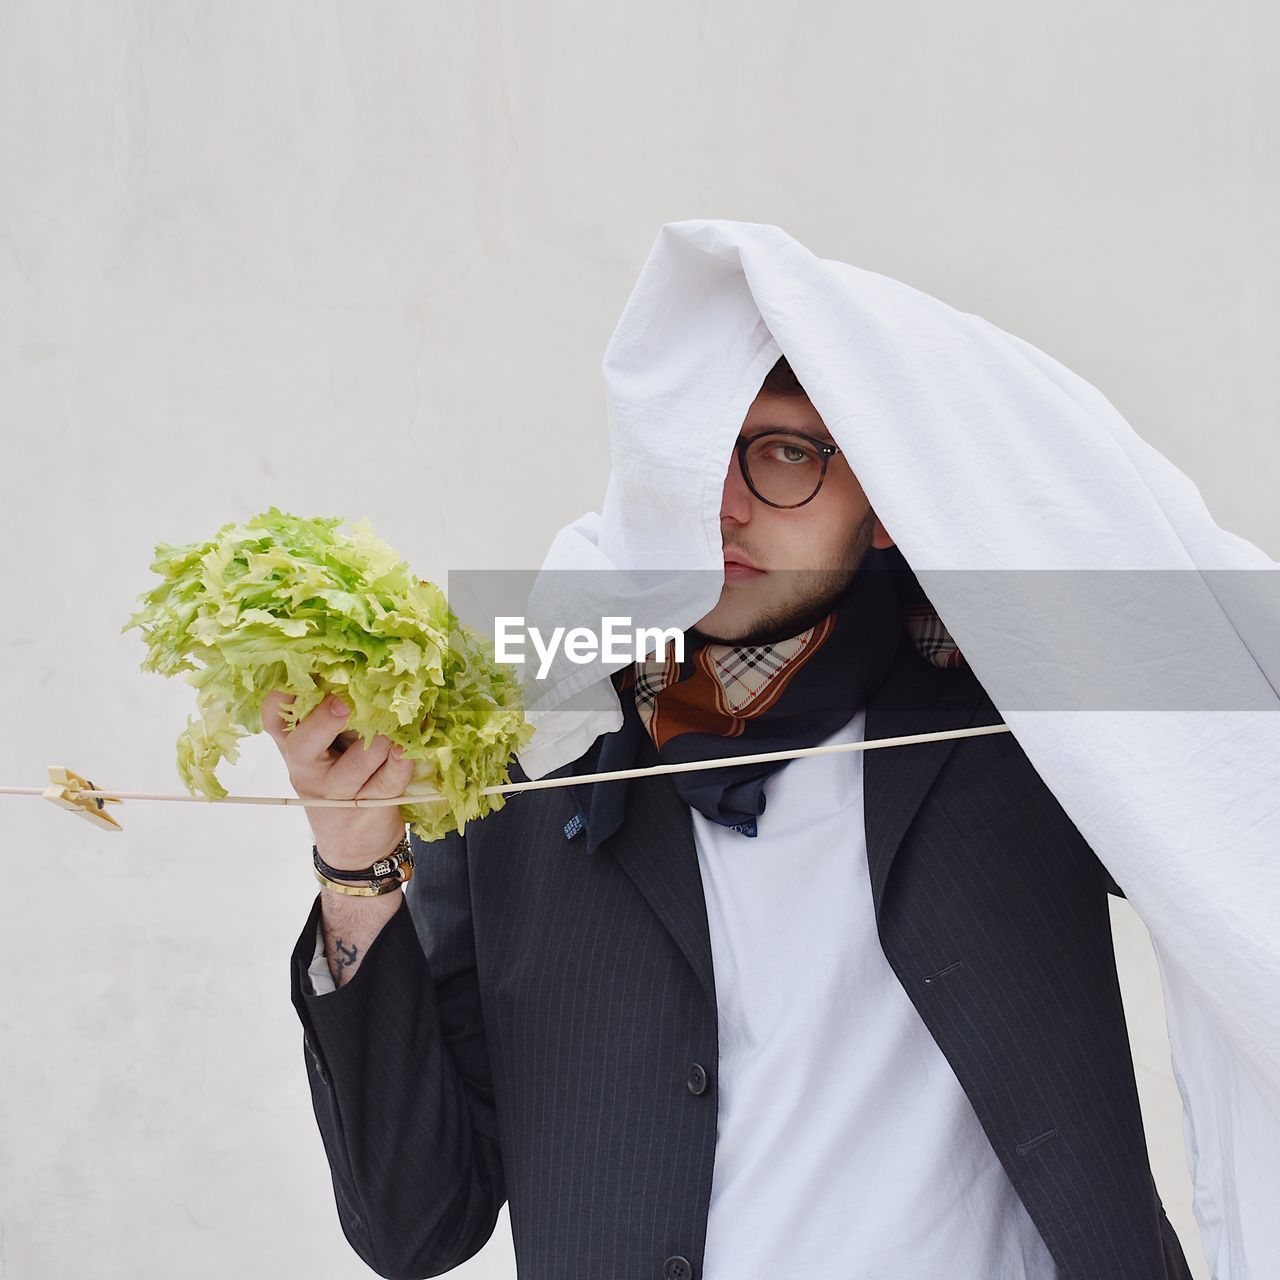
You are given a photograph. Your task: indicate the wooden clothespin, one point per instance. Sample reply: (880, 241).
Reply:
(65, 789)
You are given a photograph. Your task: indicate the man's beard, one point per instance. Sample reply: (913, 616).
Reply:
(817, 591)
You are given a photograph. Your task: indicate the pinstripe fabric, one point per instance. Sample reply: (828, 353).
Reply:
(524, 1025)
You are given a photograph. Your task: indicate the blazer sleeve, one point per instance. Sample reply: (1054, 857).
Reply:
(400, 1079)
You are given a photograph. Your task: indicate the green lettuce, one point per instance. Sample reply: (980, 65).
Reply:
(281, 602)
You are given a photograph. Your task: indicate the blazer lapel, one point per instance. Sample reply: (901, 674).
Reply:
(655, 847)
(916, 697)
(655, 844)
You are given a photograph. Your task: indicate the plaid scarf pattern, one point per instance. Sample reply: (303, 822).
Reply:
(743, 699)
(729, 685)
(931, 639)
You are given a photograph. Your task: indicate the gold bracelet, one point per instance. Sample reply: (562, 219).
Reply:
(365, 891)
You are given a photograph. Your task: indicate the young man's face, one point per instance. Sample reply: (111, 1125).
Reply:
(804, 556)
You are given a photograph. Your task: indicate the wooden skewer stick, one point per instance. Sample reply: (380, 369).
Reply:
(69, 791)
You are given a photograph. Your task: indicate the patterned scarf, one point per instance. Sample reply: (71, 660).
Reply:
(743, 699)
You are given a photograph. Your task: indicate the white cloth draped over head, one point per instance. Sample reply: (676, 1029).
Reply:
(979, 452)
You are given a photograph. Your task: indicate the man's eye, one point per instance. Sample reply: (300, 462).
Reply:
(792, 453)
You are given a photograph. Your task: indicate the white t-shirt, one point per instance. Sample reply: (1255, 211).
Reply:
(845, 1147)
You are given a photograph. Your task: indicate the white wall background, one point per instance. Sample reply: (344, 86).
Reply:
(363, 259)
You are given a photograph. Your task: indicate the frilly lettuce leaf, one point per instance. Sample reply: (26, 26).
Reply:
(282, 602)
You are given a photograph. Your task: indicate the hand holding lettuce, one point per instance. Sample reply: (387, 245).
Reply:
(282, 602)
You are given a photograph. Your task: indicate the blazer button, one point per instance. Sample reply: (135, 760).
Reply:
(696, 1079)
(677, 1268)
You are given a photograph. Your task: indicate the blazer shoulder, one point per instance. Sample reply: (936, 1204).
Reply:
(988, 713)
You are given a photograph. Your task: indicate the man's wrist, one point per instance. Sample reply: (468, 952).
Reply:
(354, 861)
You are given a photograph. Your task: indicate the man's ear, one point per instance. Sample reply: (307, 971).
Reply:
(879, 537)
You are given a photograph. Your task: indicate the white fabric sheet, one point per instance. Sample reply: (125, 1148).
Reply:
(980, 452)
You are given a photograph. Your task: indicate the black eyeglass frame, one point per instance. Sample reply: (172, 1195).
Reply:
(744, 442)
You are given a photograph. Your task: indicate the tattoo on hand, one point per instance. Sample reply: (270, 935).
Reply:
(346, 955)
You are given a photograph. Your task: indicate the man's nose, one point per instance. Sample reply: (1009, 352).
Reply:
(735, 501)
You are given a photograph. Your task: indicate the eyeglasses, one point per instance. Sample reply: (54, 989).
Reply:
(784, 468)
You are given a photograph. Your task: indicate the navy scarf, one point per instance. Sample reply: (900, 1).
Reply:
(738, 700)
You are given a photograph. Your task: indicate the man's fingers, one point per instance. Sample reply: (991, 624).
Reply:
(389, 779)
(357, 764)
(306, 747)
(327, 759)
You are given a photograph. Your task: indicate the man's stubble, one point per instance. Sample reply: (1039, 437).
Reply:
(816, 592)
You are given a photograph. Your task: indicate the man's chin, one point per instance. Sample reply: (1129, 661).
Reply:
(735, 621)
(718, 633)
(756, 627)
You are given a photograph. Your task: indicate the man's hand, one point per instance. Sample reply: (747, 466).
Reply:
(327, 762)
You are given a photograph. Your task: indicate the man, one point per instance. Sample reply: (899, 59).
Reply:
(844, 1015)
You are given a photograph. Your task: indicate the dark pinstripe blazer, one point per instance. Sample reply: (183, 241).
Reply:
(536, 1025)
